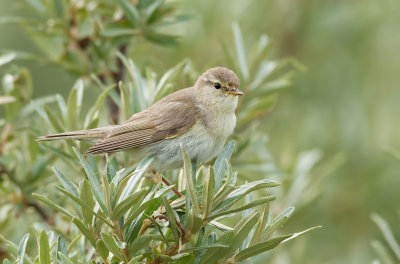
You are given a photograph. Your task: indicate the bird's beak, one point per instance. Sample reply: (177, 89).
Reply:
(236, 92)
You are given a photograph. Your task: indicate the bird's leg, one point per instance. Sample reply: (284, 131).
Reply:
(158, 177)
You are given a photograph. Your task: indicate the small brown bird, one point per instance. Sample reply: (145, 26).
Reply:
(200, 118)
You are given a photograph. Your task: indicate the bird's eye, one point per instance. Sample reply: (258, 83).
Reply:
(217, 85)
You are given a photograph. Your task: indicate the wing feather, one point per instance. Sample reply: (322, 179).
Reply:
(168, 118)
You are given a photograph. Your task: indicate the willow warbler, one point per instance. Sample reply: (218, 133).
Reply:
(200, 118)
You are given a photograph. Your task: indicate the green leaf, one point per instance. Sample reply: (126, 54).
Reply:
(136, 177)
(162, 39)
(51, 204)
(68, 185)
(143, 241)
(261, 225)
(218, 245)
(61, 246)
(245, 207)
(58, 8)
(86, 195)
(111, 245)
(44, 249)
(169, 77)
(259, 248)
(135, 259)
(132, 216)
(85, 231)
(84, 204)
(74, 103)
(278, 221)
(240, 51)
(220, 163)
(126, 108)
(383, 253)
(387, 234)
(212, 255)
(102, 249)
(130, 11)
(265, 69)
(171, 219)
(74, 241)
(22, 248)
(7, 57)
(242, 230)
(193, 222)
(116, 31)
(208, 192)
(95, 110)
(123, 206)
(65, 259)
(94, 182)
(241, 192)
(187, 172)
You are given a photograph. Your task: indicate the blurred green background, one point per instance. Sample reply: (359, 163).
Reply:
(346, 103)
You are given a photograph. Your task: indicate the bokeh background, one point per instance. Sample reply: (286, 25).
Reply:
(345, 104)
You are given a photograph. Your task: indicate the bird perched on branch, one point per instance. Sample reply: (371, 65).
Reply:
(201, 118)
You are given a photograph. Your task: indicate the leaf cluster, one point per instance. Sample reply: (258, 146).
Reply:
(116, 216)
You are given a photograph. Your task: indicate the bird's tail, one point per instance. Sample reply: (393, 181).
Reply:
(96, 133)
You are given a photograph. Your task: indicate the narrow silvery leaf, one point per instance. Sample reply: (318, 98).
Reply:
(241, 231)
(135, 178)
(212, 255)
(240, 192)
(22, 248)
(187, 170)
(278, 221)
(66, 182)
(130, 11)
(65, 259)
(208, 192)
(240, 51)
(383, 253)
(85, 231)
(95, 110)
(126, 204)
(143, 241)
(387, 234)
(297, 234)
(262, 222)
(265, 69)
(73, 104)
(63, 106)
(245, 207)
(259, 248)
(94, 182)
(171, 219)
(44, 248)
(126, 108)
(52, 204)
(220, 163)
(8, 57)
(61, 246)
(85, 205)
(54, 121)
(170, 76)
(87, 196)
(112, 245)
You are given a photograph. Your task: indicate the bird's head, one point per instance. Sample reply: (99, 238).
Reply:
(218, 85)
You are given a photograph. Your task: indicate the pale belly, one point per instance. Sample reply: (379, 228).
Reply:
(198, 143)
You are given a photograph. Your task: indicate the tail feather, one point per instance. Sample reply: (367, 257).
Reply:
(81, 134)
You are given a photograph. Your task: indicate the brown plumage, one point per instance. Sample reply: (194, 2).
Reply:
(200, 118)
